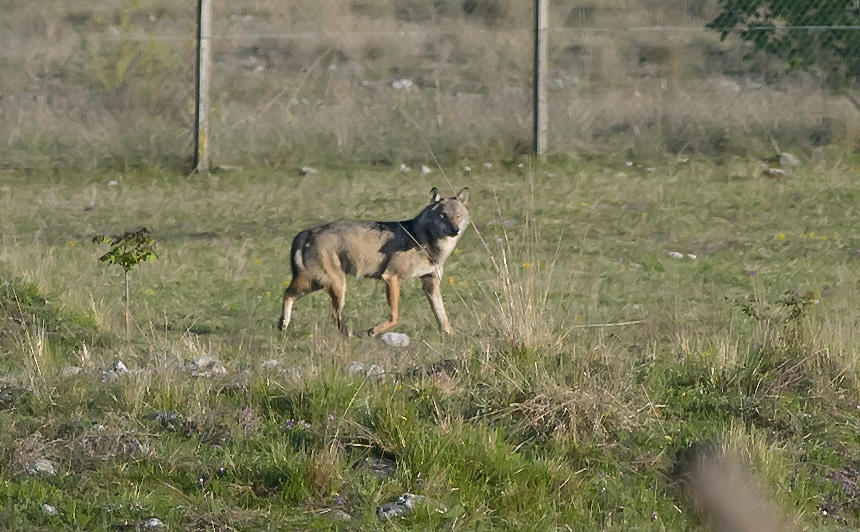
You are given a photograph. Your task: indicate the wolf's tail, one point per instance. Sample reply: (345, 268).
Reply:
(296, 262)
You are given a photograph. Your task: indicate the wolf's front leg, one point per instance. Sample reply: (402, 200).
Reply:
(432, 289)
(392, 294)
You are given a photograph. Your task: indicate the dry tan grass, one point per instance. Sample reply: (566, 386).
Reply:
(112, 84)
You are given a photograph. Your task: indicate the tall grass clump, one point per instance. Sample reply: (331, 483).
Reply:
(523, 319)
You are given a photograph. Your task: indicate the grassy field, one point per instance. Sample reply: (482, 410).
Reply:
(588, 361)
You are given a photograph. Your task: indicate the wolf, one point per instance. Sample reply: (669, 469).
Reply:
(323, 255)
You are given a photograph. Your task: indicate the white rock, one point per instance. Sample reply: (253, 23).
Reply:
(488, 166)
(402, 84)
(269, 364)
(467, 168)
(774, 172)
(308, 170)
(404, 169)
(787, 159)
(113, 183)
(394, 339)
(47, 509)
(119, 368)
(425, 169)
(676, 255)
(691, 256)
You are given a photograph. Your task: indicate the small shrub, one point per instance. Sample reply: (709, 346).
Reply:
(128, 250)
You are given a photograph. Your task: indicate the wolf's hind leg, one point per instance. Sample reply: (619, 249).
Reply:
(337, 293)
(300, 285)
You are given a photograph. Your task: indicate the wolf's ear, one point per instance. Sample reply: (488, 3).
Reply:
(434, 195)
(463, 196)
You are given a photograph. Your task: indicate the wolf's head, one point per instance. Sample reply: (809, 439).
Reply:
(446, 217)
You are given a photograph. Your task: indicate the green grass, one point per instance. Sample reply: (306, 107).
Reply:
(587, 362)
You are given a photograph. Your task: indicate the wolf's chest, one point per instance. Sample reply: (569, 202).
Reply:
(446, 247)
(431, 261)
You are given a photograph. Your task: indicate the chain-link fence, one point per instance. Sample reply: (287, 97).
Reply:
(88, 84)
(307, 81)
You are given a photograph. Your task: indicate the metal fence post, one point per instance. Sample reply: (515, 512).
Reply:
(204, 74)
(541, 60)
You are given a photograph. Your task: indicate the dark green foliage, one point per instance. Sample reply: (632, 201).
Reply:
(128, 249)
(816, 35)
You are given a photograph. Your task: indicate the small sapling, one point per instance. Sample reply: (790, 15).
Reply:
(128, 250)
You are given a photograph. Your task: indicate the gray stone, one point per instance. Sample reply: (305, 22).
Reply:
(381, 468)
(432, 504)
(132, 446)
(117, 370)
(394, 339)
(11, 395)
(172, 421)
(153, 523)
(207, 366)
(308, 170)
(394, 509)
(41, 466)
(336, 514)
(69, 371)
(405, 505)
(370, 370)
